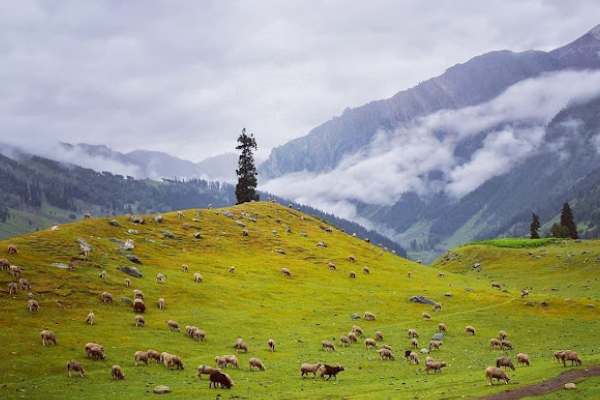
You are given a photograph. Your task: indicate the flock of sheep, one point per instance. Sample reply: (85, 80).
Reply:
(219, 379)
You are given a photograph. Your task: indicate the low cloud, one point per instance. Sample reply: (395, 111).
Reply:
(424, 156)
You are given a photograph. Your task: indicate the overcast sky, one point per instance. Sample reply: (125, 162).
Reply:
(185, 76)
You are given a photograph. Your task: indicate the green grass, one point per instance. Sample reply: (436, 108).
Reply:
(257, 302)
(518, 243)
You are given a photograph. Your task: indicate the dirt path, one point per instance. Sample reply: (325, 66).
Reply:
(546, 386)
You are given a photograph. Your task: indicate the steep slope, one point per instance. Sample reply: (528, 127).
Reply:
(476, 81)
(257, 302)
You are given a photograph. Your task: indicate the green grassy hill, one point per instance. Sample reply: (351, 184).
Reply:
(257, 302)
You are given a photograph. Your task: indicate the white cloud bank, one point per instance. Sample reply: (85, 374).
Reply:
(401, 161)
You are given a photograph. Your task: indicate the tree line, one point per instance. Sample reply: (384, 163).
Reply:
(566, 228)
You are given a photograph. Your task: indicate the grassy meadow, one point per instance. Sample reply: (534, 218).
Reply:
(257, 302)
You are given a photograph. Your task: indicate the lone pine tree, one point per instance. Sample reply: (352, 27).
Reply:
(245, 190)
(534, 228)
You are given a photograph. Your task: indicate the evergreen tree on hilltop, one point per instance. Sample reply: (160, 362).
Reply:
(534, 228)
(245, 190)
(568, 222)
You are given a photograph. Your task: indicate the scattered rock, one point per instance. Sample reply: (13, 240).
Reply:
(570, 386)
(133, 258)
(438, 336)
(128, 245)
(61, 265)
(161, 389)
(355, 316)
(85, 248)
(132, 271)
(421, 300)
(197, 235)
(168, 234)
(114, 222)
(228, 214)
(448, 294)
(132, 231)
(425, 350)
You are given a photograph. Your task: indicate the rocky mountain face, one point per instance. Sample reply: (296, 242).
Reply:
(430, 223)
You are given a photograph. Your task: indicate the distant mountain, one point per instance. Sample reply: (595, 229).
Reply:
(38, 192)
(432, 215)
(146, 164)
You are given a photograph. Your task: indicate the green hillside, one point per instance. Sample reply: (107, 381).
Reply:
(257, 302)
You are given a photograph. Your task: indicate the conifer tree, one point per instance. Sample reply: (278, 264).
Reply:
(245, 190)
(534, 228)
(568, 222)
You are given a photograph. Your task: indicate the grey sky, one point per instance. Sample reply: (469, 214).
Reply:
(186, 76)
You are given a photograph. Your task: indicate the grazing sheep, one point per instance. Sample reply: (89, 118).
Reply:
(106, 298)
(366, 270)
(173, 325)
(495, 344)
(91, 318)
(414, 343)
(245, 232)
(352, 275)
(24, 284)
(386, 354)
(232, 360)
(4, 264)
(370, 343)
(492, 373)
(94, 351)
(435, 366)
(505, 362)
(75, 367)
(117, 373)
(221, 361)
(161, 303)
(220, 379)
(138, 294)
(412, 333)
(180, 215)
(441, 274)
(153, 355)
(12, 288)
(174, 361)
(12, 249)
(140, 357)
(331, 266)
(307, 368)
(412, 357)
(524, 293)
(351, 258)
(506, 345)
(330, 371)
(271, 344)
(368, 316)
(345, 341)
(379, 336)
(15, 271)
(442, 327)
(352, 337)
(231, 270)
(569, 355)
(198, 277)
(33, 305)
(286, 272)
(469, 330)
(437, 307)
(256, 363)
(357, 330)
(502, 335)
(435, 345)
(161, 278)
(386, 346)
(127, 282)
(139, 321)
(102, 275)
(48, 338)
(327, 345)
(139, 306)
(240, 345)
(426, 316)
(522, 359)
(206, 370)
(185, 268)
